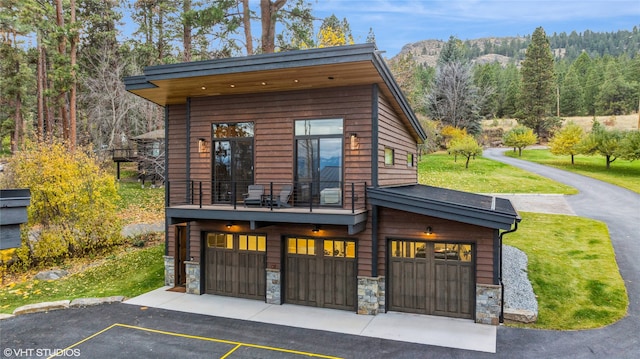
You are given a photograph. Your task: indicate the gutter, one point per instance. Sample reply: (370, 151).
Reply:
(515, 228)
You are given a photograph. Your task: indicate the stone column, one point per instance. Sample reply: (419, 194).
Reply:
(488, 301)
(193, 277)
(169, 271)
(371, 295)
(273, 287)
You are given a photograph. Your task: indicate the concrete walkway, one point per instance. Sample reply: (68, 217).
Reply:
(413, 328)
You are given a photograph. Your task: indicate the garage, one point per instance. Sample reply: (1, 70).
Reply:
(432, 278)
(320, 272)
(235, 265)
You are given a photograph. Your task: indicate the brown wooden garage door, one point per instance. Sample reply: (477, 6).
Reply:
(432, 278)
(321, 273)
(235, 265)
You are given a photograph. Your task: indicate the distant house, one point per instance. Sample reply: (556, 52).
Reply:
(334, 216)
(148, 153)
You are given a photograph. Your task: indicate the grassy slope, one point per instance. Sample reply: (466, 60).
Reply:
(622, 173)
(572, 269)
(483, 176)
(128, 273)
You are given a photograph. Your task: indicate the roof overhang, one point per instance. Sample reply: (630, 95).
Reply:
(285, 71)
(470, 208)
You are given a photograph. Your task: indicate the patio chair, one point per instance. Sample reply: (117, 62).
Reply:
(254, 195)
(281, 200)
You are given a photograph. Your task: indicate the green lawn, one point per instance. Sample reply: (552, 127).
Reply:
(484, 176)
(622, 173)
(129, 273)
(573, 271)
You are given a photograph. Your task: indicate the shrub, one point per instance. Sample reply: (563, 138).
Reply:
(72, 211)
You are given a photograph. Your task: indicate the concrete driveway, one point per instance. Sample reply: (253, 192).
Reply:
(620, 210)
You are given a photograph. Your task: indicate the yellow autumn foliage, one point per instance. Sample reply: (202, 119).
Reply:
(73, 203)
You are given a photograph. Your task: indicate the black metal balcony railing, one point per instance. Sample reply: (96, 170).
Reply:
(303, 194)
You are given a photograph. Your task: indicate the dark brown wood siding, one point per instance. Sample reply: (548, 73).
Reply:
(177, 152)
(395, 224)
(392, 133)
(274, 115)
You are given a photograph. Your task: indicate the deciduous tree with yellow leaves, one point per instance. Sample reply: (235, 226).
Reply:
(73, 203)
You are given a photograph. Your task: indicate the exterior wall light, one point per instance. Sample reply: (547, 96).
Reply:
(315, 229)
(428, 231)
(202, 145)
(229, 225)
(354, 143)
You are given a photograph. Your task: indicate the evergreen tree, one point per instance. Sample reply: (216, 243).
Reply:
(613, 92)
(453, 51)
(538, 84)
(571, 95)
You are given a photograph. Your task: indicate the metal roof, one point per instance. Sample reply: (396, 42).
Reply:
(471, 208)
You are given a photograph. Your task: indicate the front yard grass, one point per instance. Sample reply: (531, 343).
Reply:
(622, 173)
(483, 176)
(130, 272)
(573, 271)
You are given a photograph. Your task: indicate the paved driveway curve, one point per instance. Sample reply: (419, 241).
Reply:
(619, 208)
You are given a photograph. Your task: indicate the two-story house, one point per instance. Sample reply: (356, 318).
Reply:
(292, 178)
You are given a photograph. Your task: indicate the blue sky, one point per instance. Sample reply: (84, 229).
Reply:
(398, 22)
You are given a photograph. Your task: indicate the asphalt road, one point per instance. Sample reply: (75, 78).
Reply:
(127, 331)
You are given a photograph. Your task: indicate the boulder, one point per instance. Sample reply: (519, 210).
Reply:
(41, 307)
(520, 315)
(51, 274)
(88, 302)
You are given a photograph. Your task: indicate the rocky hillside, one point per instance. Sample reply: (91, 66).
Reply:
(426, 52)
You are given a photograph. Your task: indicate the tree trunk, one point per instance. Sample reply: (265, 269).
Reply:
(18, 128)
(572, 157)
(40, 132)
(62, 46)
(246, 22)
(74, 84)
(186, 36)
(466, 165)
(268, 14)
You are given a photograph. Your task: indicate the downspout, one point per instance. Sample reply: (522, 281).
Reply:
(515, 228)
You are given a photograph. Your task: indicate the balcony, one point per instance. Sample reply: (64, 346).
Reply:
(332, 203)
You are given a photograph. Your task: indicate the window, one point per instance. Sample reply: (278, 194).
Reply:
(388, 156)
(319, 151)
(252, 243)
(220, 240)
(409, 159)
(338, 248)
(304, 246)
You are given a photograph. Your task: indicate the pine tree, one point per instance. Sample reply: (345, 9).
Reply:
(538, 83)
(571, 95)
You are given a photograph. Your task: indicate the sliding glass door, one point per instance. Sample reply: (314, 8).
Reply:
(232, 160)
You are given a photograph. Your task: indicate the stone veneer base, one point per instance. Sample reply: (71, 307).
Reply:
(193, 277)
(169, 271)
(488, 304)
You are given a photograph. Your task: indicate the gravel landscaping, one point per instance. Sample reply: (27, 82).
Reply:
(518, 292)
